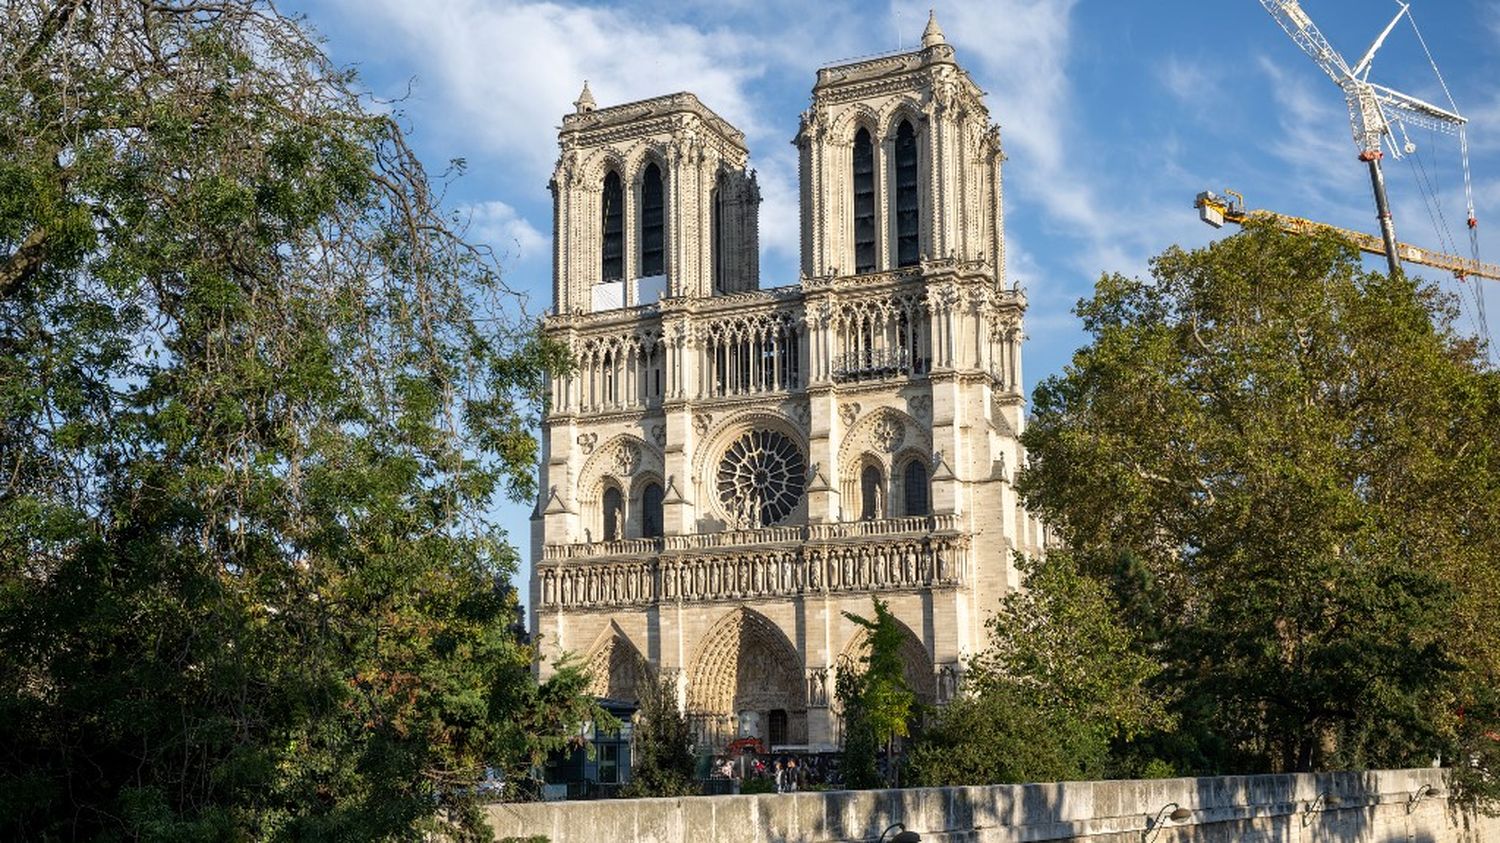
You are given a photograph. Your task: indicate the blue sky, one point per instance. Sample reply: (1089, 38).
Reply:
(1113, 113)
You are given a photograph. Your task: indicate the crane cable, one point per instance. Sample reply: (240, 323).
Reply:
(1473, 219)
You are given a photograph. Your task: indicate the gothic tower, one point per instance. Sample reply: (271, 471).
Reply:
(730, 468)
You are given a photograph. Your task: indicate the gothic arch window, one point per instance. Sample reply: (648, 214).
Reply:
(716, 209)
(906, 195)
(914, 488)
(612, 252)
(864, 202)
(869, 493)
(614, 514)
(651, 511)
(653, 223)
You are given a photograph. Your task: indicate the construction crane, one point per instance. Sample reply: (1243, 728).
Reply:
(1374, 110)
(1217, 210)
(1377, 115)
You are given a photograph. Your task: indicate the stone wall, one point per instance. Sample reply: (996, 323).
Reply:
(1405, 806)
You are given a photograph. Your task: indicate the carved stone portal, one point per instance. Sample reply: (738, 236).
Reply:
(744, 671)
(616, 667)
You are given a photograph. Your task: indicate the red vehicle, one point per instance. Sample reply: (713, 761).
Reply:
(740, 746)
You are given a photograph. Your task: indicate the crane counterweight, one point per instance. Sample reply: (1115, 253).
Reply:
(1217, 210)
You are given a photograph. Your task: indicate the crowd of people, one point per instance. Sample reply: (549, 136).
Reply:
(786, 773)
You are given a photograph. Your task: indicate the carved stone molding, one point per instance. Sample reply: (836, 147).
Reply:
(848, 412)
(819, 687)
(921, 408)
(948, 680)
(889, 433)
(626, 459)
(933, 561)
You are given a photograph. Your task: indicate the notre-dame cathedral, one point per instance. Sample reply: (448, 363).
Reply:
(734, 464)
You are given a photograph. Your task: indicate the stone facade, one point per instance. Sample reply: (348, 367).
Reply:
(730, 467)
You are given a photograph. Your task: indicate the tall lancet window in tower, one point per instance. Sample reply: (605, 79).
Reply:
(613, 251)
(716, 211)
(864, 202)
(906, 195)
(653, 224)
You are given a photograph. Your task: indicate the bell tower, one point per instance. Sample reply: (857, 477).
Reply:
(651, 200)
(899, 162)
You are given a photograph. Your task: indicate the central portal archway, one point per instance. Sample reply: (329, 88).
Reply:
(746, 681)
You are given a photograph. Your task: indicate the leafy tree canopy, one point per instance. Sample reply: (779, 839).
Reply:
(662, 750)
(877, 704)
(1286, 467)
(256, 392)
(1060, 685)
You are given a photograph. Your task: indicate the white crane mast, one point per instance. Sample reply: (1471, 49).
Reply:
(1373, 109)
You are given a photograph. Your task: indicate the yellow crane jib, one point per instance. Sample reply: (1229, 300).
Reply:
(1217, 210)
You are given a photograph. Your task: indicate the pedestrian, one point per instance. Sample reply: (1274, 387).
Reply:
(780, 773)
(791, 776)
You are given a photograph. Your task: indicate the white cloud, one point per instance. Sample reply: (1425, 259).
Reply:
(506, 72)
(1189, 81)
(498, 225)
(1314, 126)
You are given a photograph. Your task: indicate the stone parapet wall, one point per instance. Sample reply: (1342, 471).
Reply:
(1374, 807)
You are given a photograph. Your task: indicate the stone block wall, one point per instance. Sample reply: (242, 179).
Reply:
(1394, 806)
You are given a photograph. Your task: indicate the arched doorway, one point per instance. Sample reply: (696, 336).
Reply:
(617, 667)
(746, 681)
(916, 662)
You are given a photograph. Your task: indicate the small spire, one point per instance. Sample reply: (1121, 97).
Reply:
(585, 102)
(933, 34)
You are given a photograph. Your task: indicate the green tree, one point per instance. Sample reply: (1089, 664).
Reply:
(1286, 468)
(1059, 688)
(256, 393)
(662, 750)
(877, 703)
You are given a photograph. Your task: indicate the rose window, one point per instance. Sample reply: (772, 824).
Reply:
(760, 479)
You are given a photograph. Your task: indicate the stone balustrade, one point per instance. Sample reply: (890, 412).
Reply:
(917, 524)
(915, 553)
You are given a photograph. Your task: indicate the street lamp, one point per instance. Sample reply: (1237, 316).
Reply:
(1324, 801)
(1423, 792)
(1177, 815)
(903, 836)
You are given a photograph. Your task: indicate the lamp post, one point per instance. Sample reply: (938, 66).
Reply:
(902, 836)
(1177, 815)
(1423, 792)
(1323, 802)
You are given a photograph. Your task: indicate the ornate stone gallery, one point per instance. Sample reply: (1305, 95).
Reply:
(732, 465)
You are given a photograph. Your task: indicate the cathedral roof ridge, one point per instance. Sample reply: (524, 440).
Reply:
(934, 49)
(595, 117)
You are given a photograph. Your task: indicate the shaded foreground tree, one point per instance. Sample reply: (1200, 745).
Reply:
(255, 393)
(1060, 686)
(876, 705)
(1286, 468)
(662, 751)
